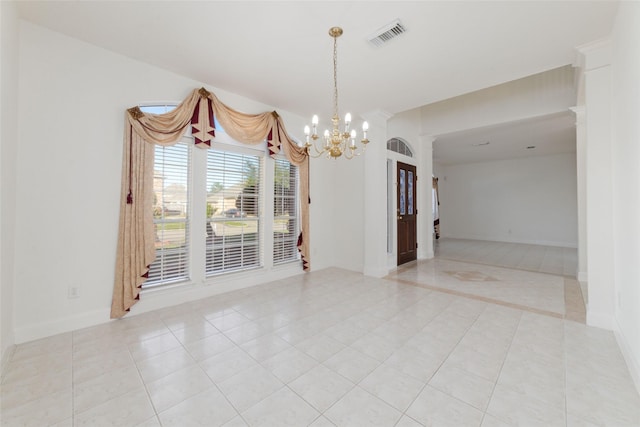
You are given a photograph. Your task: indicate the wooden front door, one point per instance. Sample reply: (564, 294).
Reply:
(406, 213)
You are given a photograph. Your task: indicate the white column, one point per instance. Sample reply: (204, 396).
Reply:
(599, 185)
(581, 163)
(425, 194)
(375, 196)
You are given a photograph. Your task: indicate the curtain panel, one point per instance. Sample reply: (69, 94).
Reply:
(436, 208)
(136, 236)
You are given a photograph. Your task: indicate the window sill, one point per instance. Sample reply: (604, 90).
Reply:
(181, 292)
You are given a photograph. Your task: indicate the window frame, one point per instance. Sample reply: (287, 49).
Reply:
(197, 212)
(293, 239)
(259, 219)
(163, 219)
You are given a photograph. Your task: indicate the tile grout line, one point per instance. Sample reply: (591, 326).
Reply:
(515, 331)
(479, 298)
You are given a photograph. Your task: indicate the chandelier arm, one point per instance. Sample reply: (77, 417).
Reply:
(348, 156)
(350, 153)
(318, 153)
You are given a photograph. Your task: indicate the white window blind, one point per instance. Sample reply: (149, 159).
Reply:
(233, 184)
(286, 218)
(171, 214)
(233, 211)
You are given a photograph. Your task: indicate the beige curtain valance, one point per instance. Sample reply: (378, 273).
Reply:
(136, 237)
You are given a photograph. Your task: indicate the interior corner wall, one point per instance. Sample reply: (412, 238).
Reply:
(625, 89)
(72, 99)
(9, 24)
(527, 200)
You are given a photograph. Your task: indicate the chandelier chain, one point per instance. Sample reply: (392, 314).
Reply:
(335, 76)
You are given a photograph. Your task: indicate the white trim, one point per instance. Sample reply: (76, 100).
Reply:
(6, 357)
(215, 285)
(632, 362)
(572, 245)
(425, 254)
(392, 261)
(600, 320)
(59, 326)
(376, 271)
(582, 276)
(392, 187)
(407, 145)
(154, 299)
(595, 54)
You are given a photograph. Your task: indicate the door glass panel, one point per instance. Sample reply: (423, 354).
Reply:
(403, 209)
(410, 191)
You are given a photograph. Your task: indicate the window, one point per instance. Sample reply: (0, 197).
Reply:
(285, 212)
(170, 210)
(171, 214)
(233, 211)
(399, 146)
(252, 218)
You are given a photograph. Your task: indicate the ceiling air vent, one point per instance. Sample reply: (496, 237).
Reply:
(386, 33)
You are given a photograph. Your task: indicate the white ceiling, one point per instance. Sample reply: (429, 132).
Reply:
(551, 134)
(280, 53)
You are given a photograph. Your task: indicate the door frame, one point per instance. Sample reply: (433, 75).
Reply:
(392, 196)
(410, 214)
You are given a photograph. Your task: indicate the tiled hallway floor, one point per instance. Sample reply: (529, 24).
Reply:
(536, 258)
(540, 293)
(328, 348)
(553, 260)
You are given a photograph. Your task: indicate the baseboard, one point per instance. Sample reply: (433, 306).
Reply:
(375, 271)
(428, 254)
(153, 300)
(632, 361)
(5, 358)
(582, 276)
(66, 324)
(161, 298)
(600, 320)
(510, 240)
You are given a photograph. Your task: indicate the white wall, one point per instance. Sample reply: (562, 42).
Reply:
(8, 153)
(626, 180)
(529, 200)
(405, 125)
(534, 96)
(374, 247)
(323, 212)
(71, 113)
(344, 237)
(599, 184)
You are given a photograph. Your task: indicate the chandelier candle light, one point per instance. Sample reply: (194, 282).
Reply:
(336, 142)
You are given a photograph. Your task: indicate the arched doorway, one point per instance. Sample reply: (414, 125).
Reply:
(402, 201)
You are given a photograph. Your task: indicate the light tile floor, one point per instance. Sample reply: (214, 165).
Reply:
(327, 348)
(538, 258)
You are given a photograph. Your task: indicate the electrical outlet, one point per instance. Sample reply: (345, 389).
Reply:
(73, 292)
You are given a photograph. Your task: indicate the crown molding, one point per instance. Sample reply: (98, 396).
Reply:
(594, 55)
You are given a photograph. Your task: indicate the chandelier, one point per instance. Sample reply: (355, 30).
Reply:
(336, 142)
